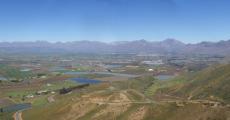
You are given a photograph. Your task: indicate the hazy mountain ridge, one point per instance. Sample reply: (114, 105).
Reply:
(138, 46)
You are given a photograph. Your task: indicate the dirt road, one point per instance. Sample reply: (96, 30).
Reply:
(18, 115)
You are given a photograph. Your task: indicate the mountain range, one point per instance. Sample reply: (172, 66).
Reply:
(168, 46)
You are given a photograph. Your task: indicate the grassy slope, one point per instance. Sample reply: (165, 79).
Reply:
(139, 84)
(54, 110)
(161, 85)
(6, 116)
(212, 83)
(188, 112)
(59, 85)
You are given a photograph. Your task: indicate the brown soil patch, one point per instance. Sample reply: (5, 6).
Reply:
(138, 114)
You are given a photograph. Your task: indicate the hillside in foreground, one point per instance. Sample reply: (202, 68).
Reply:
(212, 83)
(199, 97)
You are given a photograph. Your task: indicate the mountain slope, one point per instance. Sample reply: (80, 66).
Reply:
(212, 83)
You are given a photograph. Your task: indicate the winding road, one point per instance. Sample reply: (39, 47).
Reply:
(18, 115)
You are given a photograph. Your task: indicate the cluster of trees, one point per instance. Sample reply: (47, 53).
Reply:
(67, 90)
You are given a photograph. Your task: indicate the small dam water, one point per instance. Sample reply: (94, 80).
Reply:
(85, 81)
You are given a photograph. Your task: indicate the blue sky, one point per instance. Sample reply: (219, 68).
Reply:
(190, 21)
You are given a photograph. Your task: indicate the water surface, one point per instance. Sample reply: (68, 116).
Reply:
(86, 80)
(164, 77)
(16, 107)
(103, 73)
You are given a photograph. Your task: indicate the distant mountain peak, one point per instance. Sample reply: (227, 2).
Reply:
(172, 41)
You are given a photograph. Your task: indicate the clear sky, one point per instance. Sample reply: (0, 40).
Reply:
(114, 20)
